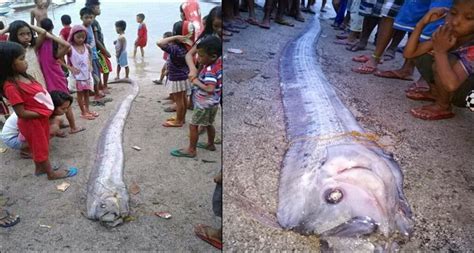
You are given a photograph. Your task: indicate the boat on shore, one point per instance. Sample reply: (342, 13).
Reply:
(5, 7)
(22, 5)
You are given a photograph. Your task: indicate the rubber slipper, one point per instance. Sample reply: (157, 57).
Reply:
(171, 124)
(355, 48)
(94, 114)
(61, 134)
(157, 82)
(169, 109)
(204, 146)
(419, 96)
(344, 42)
(417, 87)
(180, 153)
(55, 168)
(171, 118)
(389, 56)
(264, 26)
(391, 74)
(62, 126)
(363, 69)
(438, 116)
(88, 117)
(201, 231)
(10, 220)
(361, 58)
(284, 22)
(80, 129)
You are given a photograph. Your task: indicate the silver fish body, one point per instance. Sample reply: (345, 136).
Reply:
(332, 183)
(107, 195)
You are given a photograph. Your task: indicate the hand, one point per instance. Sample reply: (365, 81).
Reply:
(192, 73)
(75, 71)
(443, 39)
(434, 14)
(107, 54)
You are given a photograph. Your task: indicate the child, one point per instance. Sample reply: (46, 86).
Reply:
(62, 102)
(81, 66)
(87, 17)
(22, 33)
(49, 53)
(206, 96)
(121, 48)
(66, 22)
(12, 138)
(164, 69)
(40, 11)
(104, 64)
(446, 62)
(142, 35)
(177, 73)
(32, 104)
(3, 36)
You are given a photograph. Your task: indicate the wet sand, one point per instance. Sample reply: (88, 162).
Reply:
(180, 186)
(435, 156)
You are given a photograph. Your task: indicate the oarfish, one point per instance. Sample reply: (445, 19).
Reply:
(107, 195)
(335, 181)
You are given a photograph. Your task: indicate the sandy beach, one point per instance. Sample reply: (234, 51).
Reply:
(434, 156)
(54, 221)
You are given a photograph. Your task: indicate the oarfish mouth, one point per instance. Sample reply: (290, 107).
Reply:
(354, 227)
(110, 220)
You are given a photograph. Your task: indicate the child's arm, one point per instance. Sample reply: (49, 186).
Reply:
(193, 72)
(32, 16)
(209, 87)
(99, 45)
(414, 48)
(41, 35)
(5, 30)
(25, 114)
(164, 42)
(451, 77)
(64, 46)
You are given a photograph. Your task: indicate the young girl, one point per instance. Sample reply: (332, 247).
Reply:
(32, 104)
(142, 34)
(177, 73)
(446, 62)
(80, 62)
(22, 33)
(48, 55)
(164, 69)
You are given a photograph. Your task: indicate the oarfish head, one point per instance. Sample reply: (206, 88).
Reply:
(350, 190)
(108, 211)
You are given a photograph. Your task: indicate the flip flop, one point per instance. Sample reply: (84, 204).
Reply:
(361, 58)
(171, 118)
(62, 126)
(439, 116)
(55, 168)
(363, 69)
(204, 146)
(94, 114)
(180, 153)
(419, 96)
(264, 26)
(61, 134)
(10, 220)
(344, 42)
(416, 87)
(171, 124)
(392, 74)
(88, 117)
(342, 36)
(157, 82)
(169, 109)
(201, 231)
(80, 129)
(284, 22)
(389, 55)
(355, 48)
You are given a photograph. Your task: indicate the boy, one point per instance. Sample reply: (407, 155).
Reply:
(206, 96)
(66, 22)
(105, 66)
(87, 17)
(142, 35)
(121, 48)
(40, 12)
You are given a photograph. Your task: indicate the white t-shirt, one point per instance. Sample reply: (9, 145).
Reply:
(10, 129)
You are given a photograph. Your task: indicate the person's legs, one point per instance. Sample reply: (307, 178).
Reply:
(180, 107)
(268, 11)
(142, 51)
(211, 135)
(323, 5)
(336, 4)
(7, 219)
(72, 122)
(118, 72)
(127, 71)
(369, 24)
(341, 11)
(134, 51)
(80, 101)
(193, 138)
(251, 8)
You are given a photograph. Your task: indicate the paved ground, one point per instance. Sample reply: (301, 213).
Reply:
(180, 186)
(435, 156)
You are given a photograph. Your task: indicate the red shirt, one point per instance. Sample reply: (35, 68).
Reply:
(65, 33)
(32, 96)
(3, 37)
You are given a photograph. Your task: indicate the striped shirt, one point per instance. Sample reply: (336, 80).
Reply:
(209, 75)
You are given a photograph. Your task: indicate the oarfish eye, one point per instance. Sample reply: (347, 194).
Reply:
(333, 196)
(102, 206)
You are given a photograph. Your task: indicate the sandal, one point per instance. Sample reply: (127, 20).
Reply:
(172, 124)
(282, 21)
(181, 153)
(364, 69)
(87, 116)
(393, 74)
(61, 134)
(79, 129)
(205, 146)
(8, 220)
(420, 96)
(70, 173)
(94, 114)
(355, 48)
(202, 230)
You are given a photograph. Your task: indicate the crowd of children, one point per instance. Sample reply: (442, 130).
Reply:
(38, 67)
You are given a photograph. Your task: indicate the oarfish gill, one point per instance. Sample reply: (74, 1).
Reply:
(330, 184)
(107, 196)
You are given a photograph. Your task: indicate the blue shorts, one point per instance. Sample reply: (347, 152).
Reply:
(413, 11)
(122, 60)
(14, 143)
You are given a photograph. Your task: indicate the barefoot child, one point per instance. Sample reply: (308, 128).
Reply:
(50, 53)
(40, 11)
(142, 35)
(164, 69)
(177, 73)
(32, 104)
(81, 66)
(446, 62)
(121, 48)
(22, 33)
(206, 96)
